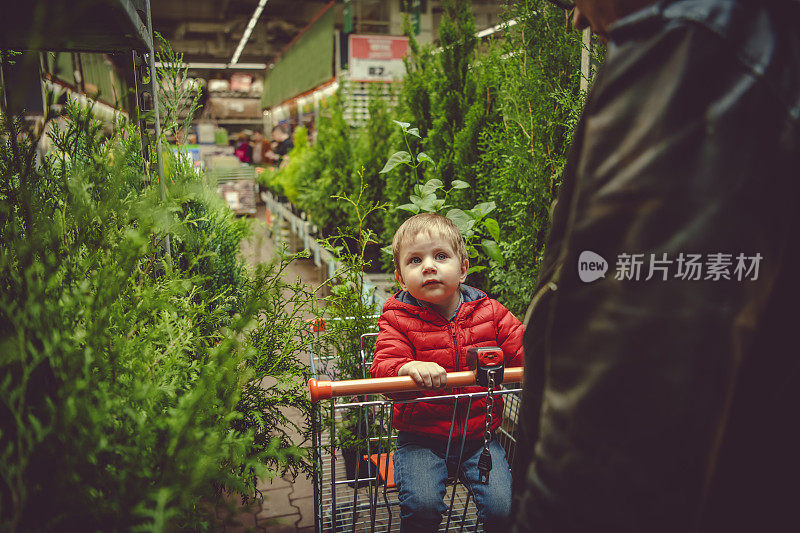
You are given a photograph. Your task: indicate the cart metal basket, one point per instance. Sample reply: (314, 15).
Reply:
(354, 490)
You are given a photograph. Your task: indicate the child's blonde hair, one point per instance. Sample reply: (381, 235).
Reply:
(432, 224)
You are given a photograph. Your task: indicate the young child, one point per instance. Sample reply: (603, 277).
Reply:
(425, 331)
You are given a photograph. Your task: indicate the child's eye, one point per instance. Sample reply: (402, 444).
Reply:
(414, 260)
(441, 256)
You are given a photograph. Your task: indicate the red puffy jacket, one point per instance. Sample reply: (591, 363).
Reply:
(410, 331)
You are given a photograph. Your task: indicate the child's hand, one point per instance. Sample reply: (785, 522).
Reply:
(426, 374)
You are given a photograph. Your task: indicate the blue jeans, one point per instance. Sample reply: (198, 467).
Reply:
(421, 468)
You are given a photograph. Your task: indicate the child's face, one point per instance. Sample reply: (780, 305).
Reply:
(431, 270)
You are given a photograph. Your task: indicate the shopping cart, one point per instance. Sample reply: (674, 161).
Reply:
(237, 185)
(354, 489)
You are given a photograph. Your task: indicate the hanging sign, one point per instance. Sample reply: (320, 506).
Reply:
(377, 57)
(348, 17)
(416, 15)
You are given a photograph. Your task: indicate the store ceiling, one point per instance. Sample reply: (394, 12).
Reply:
(210, 30)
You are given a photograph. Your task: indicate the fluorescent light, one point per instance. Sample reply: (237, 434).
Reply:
(220, 66)
(488, 31)
(495, 29)
(330, 89)
(248, 31)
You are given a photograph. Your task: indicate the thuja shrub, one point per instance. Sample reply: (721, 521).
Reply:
(275, 336)
(122, 368)
(328, 171)
(348, 315)
(371, 147)
(447, 96)
(206, 244)
(348, 312)
(285, 182)
(533, 73)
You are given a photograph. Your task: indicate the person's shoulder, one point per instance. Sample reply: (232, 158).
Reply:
(757, 40)
(743, 25)
(402, 300)
(400, 308)
(495, 305)
(499, 311)
(659, 16)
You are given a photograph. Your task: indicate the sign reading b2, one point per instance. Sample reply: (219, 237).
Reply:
(591, 266)
(377, 57)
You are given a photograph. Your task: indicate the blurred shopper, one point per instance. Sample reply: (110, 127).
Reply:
(259, 145)
(281, 145)
(243, 149)
(659, 397)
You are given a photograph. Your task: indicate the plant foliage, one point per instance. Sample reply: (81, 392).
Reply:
(482, 123)
(132, 382)
(534, 73)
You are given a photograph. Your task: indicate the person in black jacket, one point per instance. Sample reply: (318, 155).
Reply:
(662, 383)
(282, 144)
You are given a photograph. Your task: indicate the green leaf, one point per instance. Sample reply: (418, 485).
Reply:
(422, 156)
(458, 184)
(493, 227)
(409, 207)
(403, 125)
(414, 132)
(481, 210)
(462, 220)
(431, 186)
(476, 268)
(492, 250)
(438, 205)
(387, 249)
(428, 202)
(416, 200)
(396, 159)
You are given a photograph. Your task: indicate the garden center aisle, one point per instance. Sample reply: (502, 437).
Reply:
(134, 352)
(287, 506)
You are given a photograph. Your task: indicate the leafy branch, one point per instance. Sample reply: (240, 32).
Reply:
(475, 224)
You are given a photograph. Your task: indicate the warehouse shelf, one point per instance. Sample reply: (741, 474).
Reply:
(240, 121)
(94, 26)
(116, 25)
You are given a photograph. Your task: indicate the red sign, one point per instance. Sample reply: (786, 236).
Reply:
(377, 57)
(377, 47)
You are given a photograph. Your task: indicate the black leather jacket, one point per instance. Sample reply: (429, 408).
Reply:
(673, 405)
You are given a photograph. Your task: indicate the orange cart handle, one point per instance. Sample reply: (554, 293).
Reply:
(325, 390)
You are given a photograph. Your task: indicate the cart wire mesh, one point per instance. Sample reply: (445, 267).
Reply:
(354, 490)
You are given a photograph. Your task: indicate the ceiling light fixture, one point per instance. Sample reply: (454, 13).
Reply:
(488, 31)
(248, 30)
(495, 29)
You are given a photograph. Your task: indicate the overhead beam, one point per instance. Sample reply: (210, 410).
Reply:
(200, 65)
(206, 27)
(220, 47)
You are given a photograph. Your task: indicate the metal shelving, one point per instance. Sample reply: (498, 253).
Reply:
(79, 26)
(94, 26)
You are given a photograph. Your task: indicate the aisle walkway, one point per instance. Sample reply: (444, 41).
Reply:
(288, 506)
